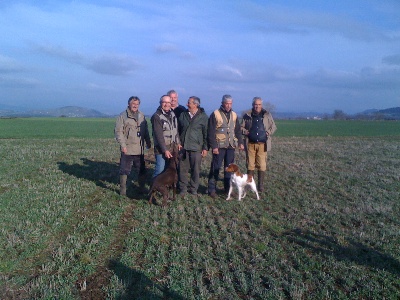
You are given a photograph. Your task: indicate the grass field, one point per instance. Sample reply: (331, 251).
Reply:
(327, 228)
(50, 128)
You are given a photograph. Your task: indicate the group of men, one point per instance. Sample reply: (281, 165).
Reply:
(194, 133)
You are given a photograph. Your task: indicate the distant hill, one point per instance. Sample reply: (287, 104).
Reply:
(297, 115)
(387, 114)
(67, 111)
(369, 111)
(370, 114)
(82, 112)
(393, 111)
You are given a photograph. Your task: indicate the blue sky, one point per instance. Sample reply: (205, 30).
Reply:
(297, 55)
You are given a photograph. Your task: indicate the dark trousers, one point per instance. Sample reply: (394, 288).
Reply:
(226, 155)
(190, 161)
(127, 161)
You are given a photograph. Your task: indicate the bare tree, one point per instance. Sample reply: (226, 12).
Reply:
(339, 115)
(269, 107)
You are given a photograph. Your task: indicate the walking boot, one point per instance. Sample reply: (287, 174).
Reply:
(250, 175)
(122, 182)
(261, 175)
(212, 186)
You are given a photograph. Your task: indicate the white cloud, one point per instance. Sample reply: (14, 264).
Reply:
(228, 70)
(18, 82)
(363, 80)
(224, 88)
(166, 48)
(297, 53)
(107, 64)
(113, 64)
(8, 65)
(97, 87)
(392, 59)
(282, 19)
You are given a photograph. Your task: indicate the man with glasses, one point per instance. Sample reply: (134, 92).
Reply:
(165, 133)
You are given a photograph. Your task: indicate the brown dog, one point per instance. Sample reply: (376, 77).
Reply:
(166, 180)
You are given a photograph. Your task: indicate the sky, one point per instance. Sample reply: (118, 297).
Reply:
(298, 56)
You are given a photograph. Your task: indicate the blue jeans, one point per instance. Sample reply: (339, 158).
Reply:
(160, 164)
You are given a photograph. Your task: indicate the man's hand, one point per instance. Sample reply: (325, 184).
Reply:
(241, 147)
(204, 153)
(167, 154)
(215, 151)
(124, 150)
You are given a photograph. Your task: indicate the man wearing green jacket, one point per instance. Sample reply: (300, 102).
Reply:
(132, 134)
(193, 136)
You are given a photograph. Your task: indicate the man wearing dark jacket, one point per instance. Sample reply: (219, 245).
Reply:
(175, 106)
(224, 135)
(194, 145)
(257, 126)
(165, 133)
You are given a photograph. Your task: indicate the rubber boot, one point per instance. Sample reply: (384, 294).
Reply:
(261, 175)
(122, 182)
(250, 175)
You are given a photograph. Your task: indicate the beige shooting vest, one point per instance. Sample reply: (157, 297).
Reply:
(225, 130)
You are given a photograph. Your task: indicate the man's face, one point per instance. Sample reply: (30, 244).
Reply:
(166, 103)
(174, 100)
(227, 105)
(257, 106)
(191, 105)
(134, 105)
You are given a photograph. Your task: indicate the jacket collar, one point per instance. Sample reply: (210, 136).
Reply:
(131, 114)
(163, 111)
(224, 111)
(262, 113)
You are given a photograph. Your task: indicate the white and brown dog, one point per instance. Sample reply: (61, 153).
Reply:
(241, 181)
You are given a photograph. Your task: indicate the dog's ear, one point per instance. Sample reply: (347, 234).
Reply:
(235, 168)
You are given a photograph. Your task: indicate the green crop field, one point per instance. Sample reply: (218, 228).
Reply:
(49, 128)
(326, 228)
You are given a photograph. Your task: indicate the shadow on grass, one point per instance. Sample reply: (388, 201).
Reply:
(103, 174)
(353, 251)
(139, 286)
(99, 172)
